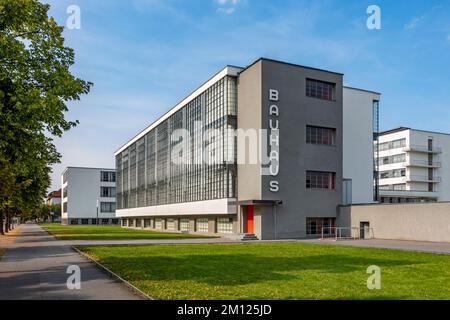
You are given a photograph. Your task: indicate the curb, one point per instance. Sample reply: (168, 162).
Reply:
(111, 274)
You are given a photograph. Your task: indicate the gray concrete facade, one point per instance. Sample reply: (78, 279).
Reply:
(296, 157)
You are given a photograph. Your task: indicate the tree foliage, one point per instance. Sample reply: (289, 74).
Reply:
(35, 85)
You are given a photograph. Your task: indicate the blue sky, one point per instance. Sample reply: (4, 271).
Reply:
(146, 55)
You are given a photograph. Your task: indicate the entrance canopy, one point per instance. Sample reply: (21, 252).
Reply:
(259, 202)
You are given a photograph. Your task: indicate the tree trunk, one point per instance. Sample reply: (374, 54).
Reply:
(6, 220)
(2, 232)
(11, 222)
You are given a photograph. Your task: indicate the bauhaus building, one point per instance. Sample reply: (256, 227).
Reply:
(272, 149)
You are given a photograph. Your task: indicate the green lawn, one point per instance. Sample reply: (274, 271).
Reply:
(107, 233)
(276, 271)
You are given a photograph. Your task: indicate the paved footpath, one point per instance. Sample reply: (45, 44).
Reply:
(34, 267)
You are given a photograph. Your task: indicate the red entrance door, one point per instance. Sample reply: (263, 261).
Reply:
(250, 218)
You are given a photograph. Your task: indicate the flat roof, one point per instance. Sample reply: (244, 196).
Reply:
(364, 90)
(399, 129)
(394, 130)
(88, 168)
(289, 64)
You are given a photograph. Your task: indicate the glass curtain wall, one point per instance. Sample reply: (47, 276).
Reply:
(146, 174)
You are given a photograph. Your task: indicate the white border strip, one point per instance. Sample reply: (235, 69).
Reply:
(199, 208)
(227, 71)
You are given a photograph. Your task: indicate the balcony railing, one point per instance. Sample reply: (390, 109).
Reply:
(421, 163)
(418, 178)
(410, 193)
(424, 178)
(425, 149)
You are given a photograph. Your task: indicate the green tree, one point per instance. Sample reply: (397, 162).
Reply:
(35, 86)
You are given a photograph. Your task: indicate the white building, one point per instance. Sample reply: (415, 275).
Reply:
(414, 166)
(88, 193)
(360, 130)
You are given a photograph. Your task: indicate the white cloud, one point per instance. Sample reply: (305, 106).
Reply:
(414, 22)
(226, 6)
(224, 2)
(226, 11)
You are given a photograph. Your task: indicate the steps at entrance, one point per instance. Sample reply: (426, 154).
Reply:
(249, 237)
(241, 236)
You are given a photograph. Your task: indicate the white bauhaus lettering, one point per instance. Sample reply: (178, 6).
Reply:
(274, 141)
(273, 95)
(274, 111)
(273, 124)
(274, 186)
(274, 156)
(274, 170)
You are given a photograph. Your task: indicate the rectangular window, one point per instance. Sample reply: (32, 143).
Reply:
(202, 225)
(396, 187)
(320, 180)
(65, 192)
(84, 221)
(108, 207)
(184, 225)
(159, 224)
(320, 135)
(398, 173)
(399, 187)
(398, 158)
(65, 207)
(320, 89)
(170, 224)
(224, 225)
(107, 192)
(396, 144)
(107, 176)
(317, 226)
